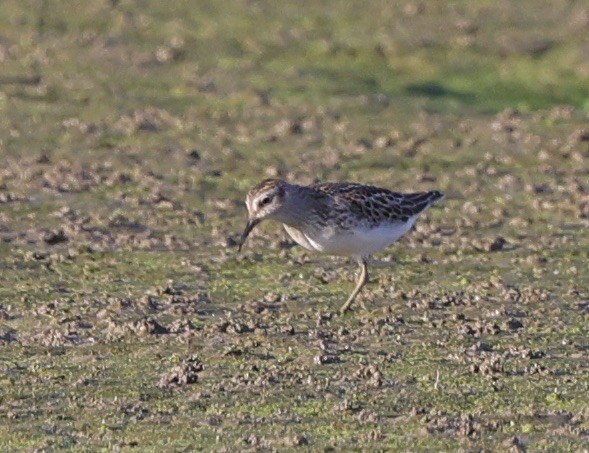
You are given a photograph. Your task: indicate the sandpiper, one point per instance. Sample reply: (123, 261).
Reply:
(345, 219)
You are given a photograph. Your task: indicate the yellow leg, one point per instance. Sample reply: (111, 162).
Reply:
(362, 279)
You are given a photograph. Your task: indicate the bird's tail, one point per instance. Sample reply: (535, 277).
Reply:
(423, 200)
(434, 196)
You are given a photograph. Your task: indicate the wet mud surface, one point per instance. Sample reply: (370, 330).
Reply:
(128, 320)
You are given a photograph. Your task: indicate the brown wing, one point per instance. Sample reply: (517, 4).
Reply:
(376, 204)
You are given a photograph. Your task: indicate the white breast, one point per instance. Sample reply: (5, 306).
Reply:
(361, 241)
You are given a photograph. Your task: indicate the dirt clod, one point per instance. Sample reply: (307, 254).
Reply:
(184, 374)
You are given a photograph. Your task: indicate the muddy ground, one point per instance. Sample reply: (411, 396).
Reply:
(130, 132)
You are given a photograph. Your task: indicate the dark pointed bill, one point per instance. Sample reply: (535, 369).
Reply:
(248, 229)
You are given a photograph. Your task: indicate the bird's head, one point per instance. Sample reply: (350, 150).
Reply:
(264, 201)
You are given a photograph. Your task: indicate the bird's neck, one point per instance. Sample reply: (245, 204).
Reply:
(301, 204)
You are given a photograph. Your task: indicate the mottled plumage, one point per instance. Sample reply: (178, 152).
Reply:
(346, 219)
(376, 205)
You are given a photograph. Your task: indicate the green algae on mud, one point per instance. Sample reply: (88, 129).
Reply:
(129, 135)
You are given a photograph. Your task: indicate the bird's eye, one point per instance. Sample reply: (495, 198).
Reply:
(264, 201)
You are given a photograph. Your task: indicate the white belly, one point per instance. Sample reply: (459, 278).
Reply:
(358, 242)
